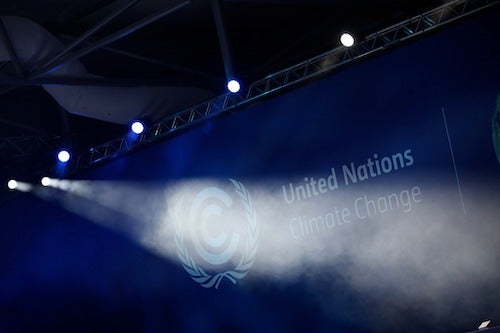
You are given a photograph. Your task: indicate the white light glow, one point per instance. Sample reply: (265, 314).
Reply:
(19, 186)
(45, 181)
(484, 324)
(137, 127)
(63, 156)
(317, 233)
(233, 86)
(347, 39)
(12, 184)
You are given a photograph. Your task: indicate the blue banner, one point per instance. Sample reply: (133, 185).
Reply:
(365, 201)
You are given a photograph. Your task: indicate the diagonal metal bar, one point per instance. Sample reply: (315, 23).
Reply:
(292, 76)
(4, 36)
(174, 123)
(22, 126)
(377, 42)
(21, 147)
(13, 82)
(153, 61)
(157, 62)
(221, 33)
(88, 33)
(110, 39)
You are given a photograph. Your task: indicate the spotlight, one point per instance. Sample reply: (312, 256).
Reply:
(12, 184)
(45, 181)
(347, 39)
(63, 155)
(137, 127)
(233, 86)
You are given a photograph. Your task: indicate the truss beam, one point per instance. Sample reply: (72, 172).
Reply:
(153, 61)
(22, 126)
(85, 35)
(162, 129)
(374, 43)
(63, 58)
(21, 147)
(110, 39)
(291, 76)
(96, 81)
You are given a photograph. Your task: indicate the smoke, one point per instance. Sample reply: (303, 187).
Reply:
(431, 262)
(413, 249)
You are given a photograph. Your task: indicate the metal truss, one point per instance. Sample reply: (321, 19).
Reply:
(65, 56)
(374, 43)
(23, 147)
(292, 76)
(182, 120)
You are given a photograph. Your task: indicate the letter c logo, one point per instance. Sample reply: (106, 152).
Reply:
(214, 254)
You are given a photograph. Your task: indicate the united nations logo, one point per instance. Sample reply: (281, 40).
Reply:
(216, 237)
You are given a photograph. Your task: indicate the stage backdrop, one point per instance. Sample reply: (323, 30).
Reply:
(367, 201)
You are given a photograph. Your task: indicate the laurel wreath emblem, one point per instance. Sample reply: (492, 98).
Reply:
(247, 259)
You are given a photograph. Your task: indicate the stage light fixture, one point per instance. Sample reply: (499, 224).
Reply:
(233, 86)
(347, 39)
(45, 181)
(63, 155)
(12, 184)
(137, 127)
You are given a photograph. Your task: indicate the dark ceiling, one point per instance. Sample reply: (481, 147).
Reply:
(180, 49)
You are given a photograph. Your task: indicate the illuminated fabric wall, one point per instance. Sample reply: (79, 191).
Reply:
(365, 201)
